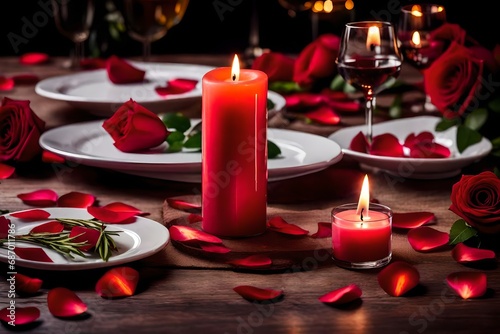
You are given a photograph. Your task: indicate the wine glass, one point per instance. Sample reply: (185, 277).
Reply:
(149, 20)
(73, 19)
(369, 59)
(416, 22)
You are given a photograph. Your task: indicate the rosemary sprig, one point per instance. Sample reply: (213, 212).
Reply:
(60, 242)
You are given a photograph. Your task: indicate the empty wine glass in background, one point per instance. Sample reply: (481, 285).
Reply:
(369, 59)
(73, 19)
(149, 20)
(416, 22)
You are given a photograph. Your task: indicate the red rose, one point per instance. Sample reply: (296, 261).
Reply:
(453, 79)
(476, 199)
(277, 66)
(20, 130)
(135, 128)
(450, 32)
(317, 60)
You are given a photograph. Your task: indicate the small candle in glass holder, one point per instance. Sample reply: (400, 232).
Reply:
(362, 233)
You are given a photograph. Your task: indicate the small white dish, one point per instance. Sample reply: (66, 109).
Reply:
(142, 238)
(415, 168)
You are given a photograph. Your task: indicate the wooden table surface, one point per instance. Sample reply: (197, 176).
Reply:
(182, 294)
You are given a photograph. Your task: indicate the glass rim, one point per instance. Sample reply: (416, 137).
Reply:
(350, 206)
(368, 23)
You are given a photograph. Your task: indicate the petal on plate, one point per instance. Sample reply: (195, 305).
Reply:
(278, 224)
(359, 143)
(122, 207)
(118, 282)
(214, 248)
(5, 225)
(386, 144)
(409, 220)
(25, 79)
(41, 197)
(23, 315)
(323, 115)
(252, 261)
(425, 238)
(182, 205)
(63, 302)
(48, 227)
(111, 217)
(33, 58)
(121, 71)
(85, 234)
(253, 293)
(6, 83)
(464, 254)
(468, 284)
(185, 233)
(52, 158)
(31, 215)
(176, 86)
(429, 151)
(76, 199)
(343, 295)
(398, 278)
(33, 254)
(6, 171)
(27, 285)
(324, 230)
(194, 218)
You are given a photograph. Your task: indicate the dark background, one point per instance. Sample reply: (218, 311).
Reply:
(203, 30)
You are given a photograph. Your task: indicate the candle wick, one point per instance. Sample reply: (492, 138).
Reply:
(361, 215)
(372, 47)
(234, 77)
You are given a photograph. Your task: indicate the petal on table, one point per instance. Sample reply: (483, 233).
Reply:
(253, 293)
(25, 79)
(41, 197)
(111, 217)
(6, 83)
(214, 248)
(409, 220)
(468, 284)
(323, 115)
(182, 205)
(464, 254)
(48, 227)
(24, 315)
(425, 238)
(33, 254)
(27, 285)
(76, 199)
(6, 171)
(194, 218)
(343, 295)
(398, 278)
(85, 234)
(118, 282)
(252, 261)
(122, 207)
(63, 302)
(31, 215)
(185, 233)
(4, 227)
(278, 224)
(53, 158)
(324, 230)
(34, 58)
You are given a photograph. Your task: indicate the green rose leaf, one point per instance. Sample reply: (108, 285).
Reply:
(476, 119)
(175, 146)
(461, 231)
(273, 150)
(467, 137)
(495, 104)
(175, 141)
(270, 104)
(193, 141)
(284, 86)
(446, 123)
(176, 121)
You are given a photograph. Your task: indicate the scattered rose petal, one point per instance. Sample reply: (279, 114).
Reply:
(33, 254)
(6, 171)
(63, 302)
(423, 137)
(386, 145)
(429, 151)
(182, 205)
(176, 86)
(42, 197)
(252, 261)
(34, 58)
(343, 295)
(425, 238)
(24, 315)
(464, 254)
(75, 199)
(85, 234)
(109, 216)
(324, 230)
(31, 215)
(25, 79)
(254, 293)
(194, 218)
(214, 248)
(468, 284)
(185, 233)
(278, 224)
(50, 157)
(323, 115)
(49, 227)
(398, 278)
(122, 207)
(409, 220)
(6, 83)
(359, 143)
(117, 282)
(27, 285)
(121, 71)
(4, 227)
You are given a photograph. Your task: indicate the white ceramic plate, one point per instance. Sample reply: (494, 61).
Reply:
(138, 240)
(89, 144)
(93, 92)
(418, 168)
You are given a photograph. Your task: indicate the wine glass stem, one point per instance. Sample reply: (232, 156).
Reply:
(146, 51)
(78, 56)
(370, 103)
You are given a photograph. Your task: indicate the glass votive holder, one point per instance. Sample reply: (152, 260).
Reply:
(361, 241)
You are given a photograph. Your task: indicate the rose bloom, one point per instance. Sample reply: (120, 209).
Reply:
(453, 80)
(20, 130)
(476, 199)
(277, 66)
(135, 128)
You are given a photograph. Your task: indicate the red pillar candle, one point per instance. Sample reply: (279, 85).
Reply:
(362, 233)
(234, 151)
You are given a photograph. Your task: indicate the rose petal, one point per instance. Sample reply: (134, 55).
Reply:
(398, 278)
(25, 79)
(33, 254)
(33, 58)
(359, 143)
(85, 234)
(182, 205)
(6, 83)
(24, 315)
(386, 144)
(49, 227)
(4, 227)
(425, 238)
(93, 63)
(31, 215)
(27, 285)
(278, 224)
(194, 218)
(6, 171)
(252, 261)
(409, 220)
(323, 115)
(343, 295)
(464, 254)
(468, 284)
(42, 197)
(118, 282)
(185, 233)
(121, 71)
(111, 217)
(324, 231)
(176, 86)
(254, 293)
(50, 157)
(214, 248)
(122, 207)
(75, 199)
(63, 302)
(429, 151)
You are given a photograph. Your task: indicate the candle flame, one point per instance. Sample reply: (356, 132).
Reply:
(416, 10)
(415, 38)
(373, 38)
(364, 200)
(235, 71)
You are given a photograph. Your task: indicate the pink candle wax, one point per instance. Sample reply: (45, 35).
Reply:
(234, 152)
